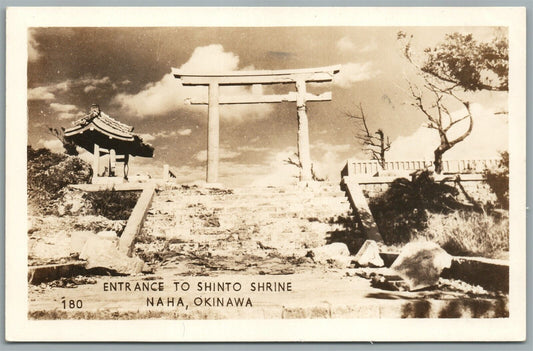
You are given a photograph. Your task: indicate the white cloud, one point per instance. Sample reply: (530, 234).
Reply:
(324, 146)
(48, 92)
(489, 136)
(327, 159)
(223, 154)
(346, 45)
(66, 111)
(369, 47)
(88, 80)
(248, 148)
(147, 137)
(279, 172)
(40, 93)
(167, 134)
(168, 95)
(125, 82)
(62, 107)
(89, 88)
(211, 59)
(33, 47)
(54, 145)
(354, 72)
(70, 115)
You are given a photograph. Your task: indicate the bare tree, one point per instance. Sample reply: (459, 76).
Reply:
(70, 147)
(296, 162)
(376, 146)
(433, 98)
(440, 118)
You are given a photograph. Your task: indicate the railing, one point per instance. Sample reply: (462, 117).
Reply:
(373, 168)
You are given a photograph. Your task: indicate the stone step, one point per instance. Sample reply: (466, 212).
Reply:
(321, 188)
(246, 208)
(318, 230)
(263, 219)
(228, 200)
(178, 197)
(257, 217)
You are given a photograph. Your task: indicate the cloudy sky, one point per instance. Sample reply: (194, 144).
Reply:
(127, 72)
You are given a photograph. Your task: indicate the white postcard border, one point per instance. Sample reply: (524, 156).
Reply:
(19, 328)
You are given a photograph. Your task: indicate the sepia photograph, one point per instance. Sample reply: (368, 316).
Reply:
(256, 171)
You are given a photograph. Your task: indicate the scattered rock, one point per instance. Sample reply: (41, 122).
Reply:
(98, 223)
(71, 282)
(421, 263)
(335, 253)
(108, 234)
(368, 255)
(78, 240)
(99, 252)
(73, 202)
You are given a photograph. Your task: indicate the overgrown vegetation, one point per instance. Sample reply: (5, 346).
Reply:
(48, 173)
(405, 206)
(424, 209)
(498, 181)
(112, 204)
(468, 233)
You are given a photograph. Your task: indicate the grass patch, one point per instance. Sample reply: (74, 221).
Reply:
(406, 205)
(112, 204)
(468, 233)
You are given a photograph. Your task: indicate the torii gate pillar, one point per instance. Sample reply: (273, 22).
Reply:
(213, 133)
(304, 154)
(299, 77)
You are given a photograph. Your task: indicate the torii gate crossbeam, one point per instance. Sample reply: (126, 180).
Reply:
(299, 77)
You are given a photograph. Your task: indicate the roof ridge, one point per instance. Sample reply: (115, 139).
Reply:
(114, 123)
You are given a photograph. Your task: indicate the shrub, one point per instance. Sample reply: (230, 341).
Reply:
(48, 173)
(468, 233)
(405, 206)
(112, 204)
(498, 181)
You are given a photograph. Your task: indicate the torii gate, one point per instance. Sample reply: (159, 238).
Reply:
(298, 76)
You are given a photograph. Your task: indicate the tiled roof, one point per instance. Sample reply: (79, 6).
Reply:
(113, 123)
(106, 120)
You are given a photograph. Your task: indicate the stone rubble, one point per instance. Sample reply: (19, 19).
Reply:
(421, 263)
(335, 253)
(255, 224)
(368, 255)
(103, 253)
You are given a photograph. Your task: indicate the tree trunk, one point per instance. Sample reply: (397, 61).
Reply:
(438, 158)
(382, 148)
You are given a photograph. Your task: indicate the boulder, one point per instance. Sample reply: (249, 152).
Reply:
(336, 253)
(108, 234)
(368, 255)
(421, 263)
(103, 253)
(78, 240)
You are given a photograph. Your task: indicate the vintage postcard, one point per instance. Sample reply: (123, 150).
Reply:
(265, 174)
